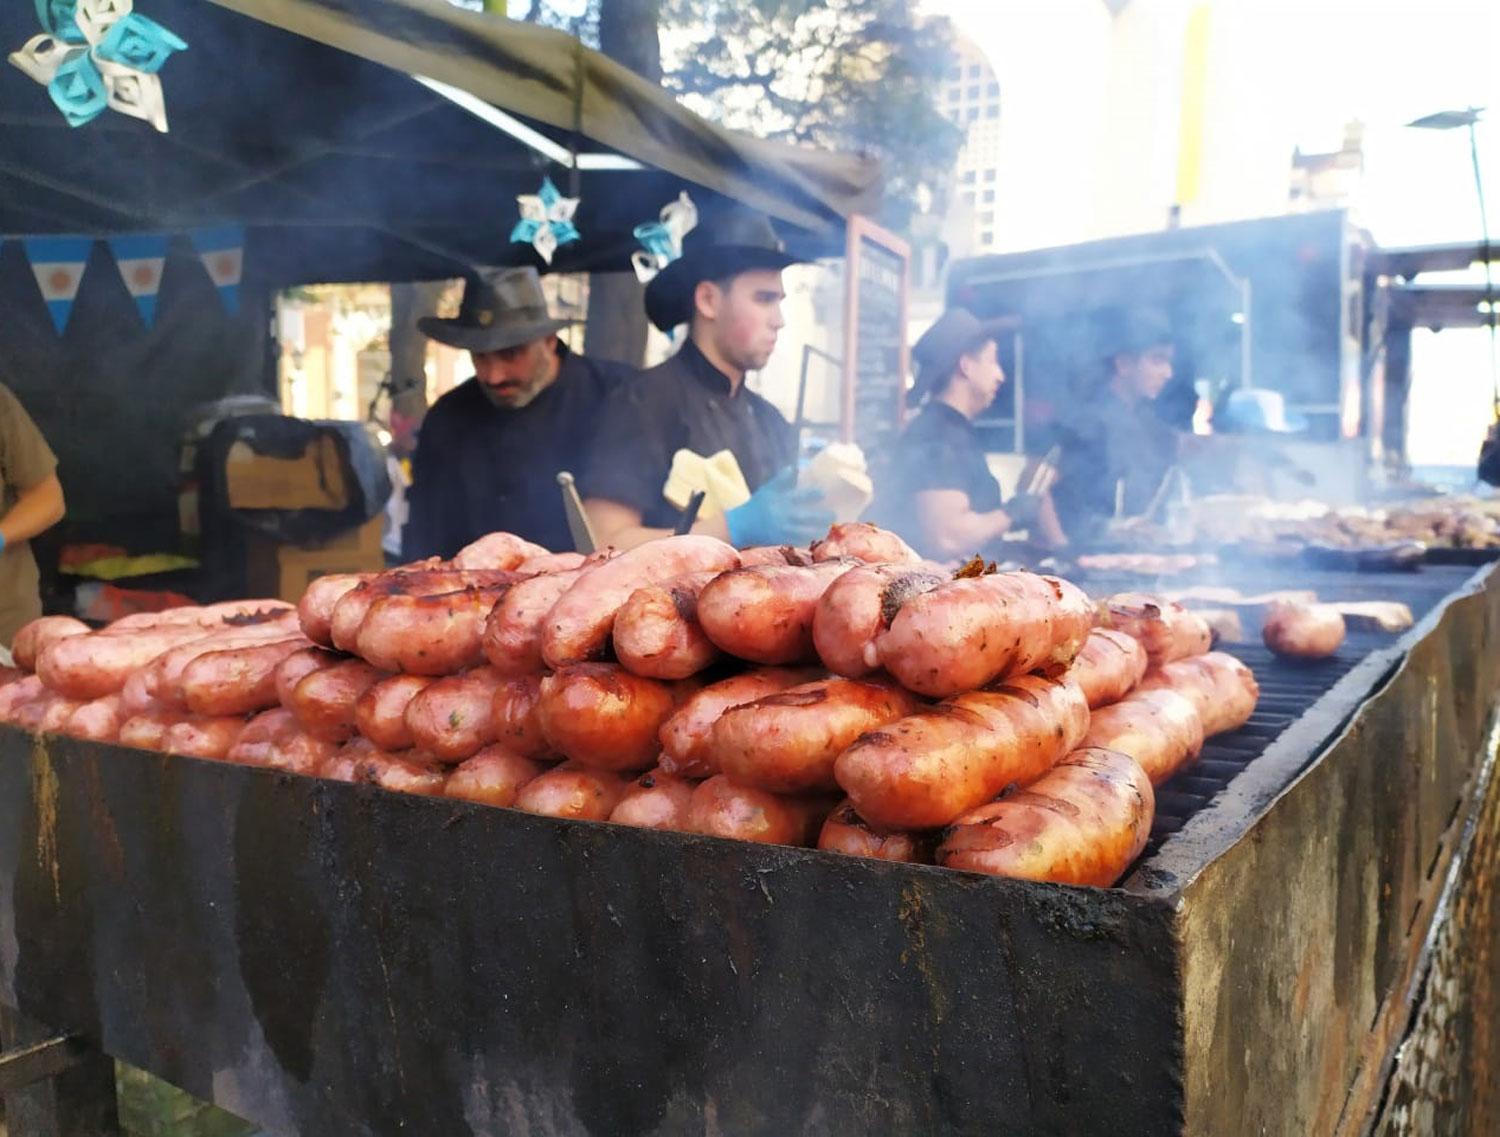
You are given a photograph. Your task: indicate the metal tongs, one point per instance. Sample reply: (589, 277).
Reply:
(578, 520)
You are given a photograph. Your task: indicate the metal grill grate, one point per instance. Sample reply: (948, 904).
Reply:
(1288, 688)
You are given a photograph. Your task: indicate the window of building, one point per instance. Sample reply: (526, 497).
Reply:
(955, 74)
(953, 93)
(968, 199)
(967, 178)
(972, 115)
(992, 110)
(974, 91)
(973, 71)
(986, 238)
(989, 175)
(988, 197)
(993, 90)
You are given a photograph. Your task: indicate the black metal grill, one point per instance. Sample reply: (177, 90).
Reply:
(1288, 688)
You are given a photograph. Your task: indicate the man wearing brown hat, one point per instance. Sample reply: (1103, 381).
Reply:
(695, 407)
(489, 450)
(937, 490)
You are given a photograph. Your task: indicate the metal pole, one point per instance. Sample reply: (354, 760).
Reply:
(1245, 333)
(1489, 283)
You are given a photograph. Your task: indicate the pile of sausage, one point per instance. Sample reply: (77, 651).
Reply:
(848, 696)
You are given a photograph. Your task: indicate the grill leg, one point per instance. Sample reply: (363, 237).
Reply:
(68, 1090)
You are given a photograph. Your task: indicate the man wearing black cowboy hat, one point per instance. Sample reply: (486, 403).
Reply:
(489, 450)
(1116, 450)
(938, 491)
(726, 287)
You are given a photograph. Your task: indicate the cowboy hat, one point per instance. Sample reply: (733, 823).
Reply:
(956, 333)
(501, 308)
(733, 241)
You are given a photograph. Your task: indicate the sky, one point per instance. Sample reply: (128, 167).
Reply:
(1292, 75)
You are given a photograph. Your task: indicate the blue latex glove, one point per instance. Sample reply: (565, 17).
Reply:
(2, 542)
(779, 513)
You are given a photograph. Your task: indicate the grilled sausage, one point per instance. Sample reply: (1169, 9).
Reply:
(19, 690)
(352, 608)
(34, 635)
(428, 635)
(1222, 688)
(656, 800)
(552, 563)
(504, 551)
(453, 719)
(324, 700)
(236, 680)
(147, 731)
(136, 697)
(315, 609)
(410, 772)
(56, 713)
(686, 736)
(380, 713)
(600, 715)
(298, 752)
(99, 720)
(512, 640)
(572, 791)
(1303, 631)
(494, 776)
(89, 667)
(846, 831)
(1160, 729)
(517, 723)
(261, 734)
(163, 681)
(857, 608)
(199, 736)
(774, 555)
(578, 626)
(765, 613)
(1165, 628)
(297, 667)
(657, 634)
(923, 771)
(787, 742)
(1084, 822)
(967, 633)
(1110, 666)
(723, 808)
(863, 542)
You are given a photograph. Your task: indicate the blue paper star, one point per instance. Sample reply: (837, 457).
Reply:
(546, 220)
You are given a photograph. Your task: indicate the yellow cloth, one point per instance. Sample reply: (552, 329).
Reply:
(718, 476)
(118, 568)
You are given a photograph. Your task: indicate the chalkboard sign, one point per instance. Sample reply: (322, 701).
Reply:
(875, 351)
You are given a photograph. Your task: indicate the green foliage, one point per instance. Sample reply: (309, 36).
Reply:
(853, 75)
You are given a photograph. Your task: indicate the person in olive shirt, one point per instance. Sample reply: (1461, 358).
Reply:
(937, 490)
(726, 287)
(489, 451)
(1115, 445)
(32, 504)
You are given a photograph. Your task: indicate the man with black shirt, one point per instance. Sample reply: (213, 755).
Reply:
(727, 287)
(489, 450)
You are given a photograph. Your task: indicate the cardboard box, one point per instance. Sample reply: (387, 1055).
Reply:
(284, 571)
(314, 480)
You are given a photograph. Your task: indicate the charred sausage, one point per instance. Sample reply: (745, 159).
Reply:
(600, 715)
(200, 736)
(1222, 688)
(517, 722)
(99, 720)
(254, 745)
(89, 667)
(315, 609)
(1303, 631)
(686, 736)
(787, 742)
(574, 792)
(236, 680)
(723, 808)
(1165, 628)
(863, 542)
(578, 626)
(428, 635)
(765, 613)
(846, 831)
(324, 700)
(297, 667)
(352, 608)
(503, 551)
(1084, 822)
(656, 800)
(494, 776)
(453, 719)
(32, 637)
(657, 633)
(380, 713)
(1110, 666)
(923, 771)
(512, 640)
(967, 633)
(147, 731)
(1161, 729)
(857, 608)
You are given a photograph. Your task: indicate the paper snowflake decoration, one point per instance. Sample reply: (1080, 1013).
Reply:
(546, 220)
(98, 54)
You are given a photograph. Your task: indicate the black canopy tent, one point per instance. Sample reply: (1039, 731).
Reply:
(307, 121)
(302, 121)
